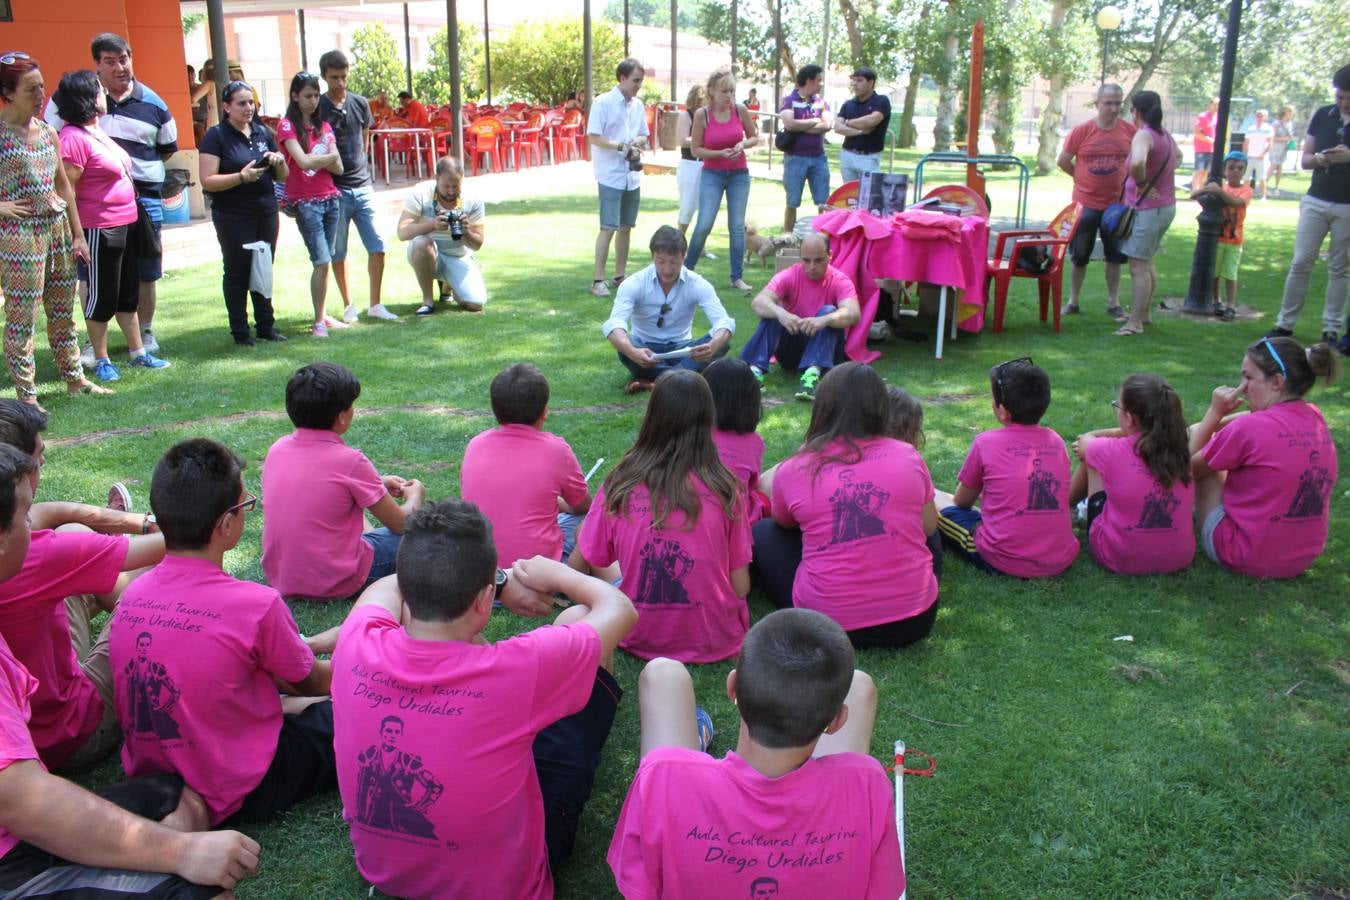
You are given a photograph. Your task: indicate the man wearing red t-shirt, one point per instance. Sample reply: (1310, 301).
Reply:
(410, 108)
(1096, 154)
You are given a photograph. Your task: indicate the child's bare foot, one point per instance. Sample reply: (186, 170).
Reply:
(85, 387)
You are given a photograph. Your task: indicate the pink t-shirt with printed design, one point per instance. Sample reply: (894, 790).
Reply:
(803, 297)
(316, 184)
(314, 488)
(693, 826)
(1022, 472)
(743, 454)
(1146, 528)
(1282, 467)
(865, 557)
(679, 579)
(515, 475)
(194, 652)
(16, 744)
(434, 759)
(66, 706)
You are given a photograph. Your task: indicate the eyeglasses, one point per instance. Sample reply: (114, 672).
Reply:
(10, 58)
(1275, 356)
(661, 319)
(248, 505)
(234, 87)
(998, 373)
(1115, 404)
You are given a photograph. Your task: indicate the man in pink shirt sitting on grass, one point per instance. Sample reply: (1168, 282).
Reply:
(422, 703)
(197, 656)
(804, 311)
(798, 805)
(526, 481)
(316, 545)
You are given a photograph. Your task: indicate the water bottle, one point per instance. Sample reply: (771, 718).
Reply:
(320, 147)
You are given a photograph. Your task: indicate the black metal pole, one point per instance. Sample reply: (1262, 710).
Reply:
(456, 98)
(1200, 293)
(733, 36)
(407, 48)
(778, 54)
(1106, 43)
(487, 54)
(586, 52)
(304, 50)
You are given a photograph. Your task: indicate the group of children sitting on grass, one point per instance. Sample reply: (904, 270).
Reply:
(464, 766)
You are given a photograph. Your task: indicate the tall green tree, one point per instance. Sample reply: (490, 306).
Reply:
(541, 62)
(432, 84)
(375, 62)
(654, 12)
(1068, 56)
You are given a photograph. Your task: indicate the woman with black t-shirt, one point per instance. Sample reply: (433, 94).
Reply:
(240, 165)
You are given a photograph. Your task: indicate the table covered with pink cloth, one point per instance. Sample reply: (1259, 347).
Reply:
(915, 245)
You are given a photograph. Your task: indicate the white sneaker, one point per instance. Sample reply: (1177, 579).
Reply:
(148, 341)
(707, 255)
(379, 311)
(350, 314)
(599, 289)
(87, 355)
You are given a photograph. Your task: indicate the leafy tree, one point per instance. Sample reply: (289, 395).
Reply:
(375, 62)
(191, 21)
(432, 84)
(1067, 40)
(654, 12)
(541, 62)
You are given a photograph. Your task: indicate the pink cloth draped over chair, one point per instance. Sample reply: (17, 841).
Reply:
(933, 247)
(853, 236)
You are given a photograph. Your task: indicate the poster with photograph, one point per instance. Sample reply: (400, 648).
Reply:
(883, 194)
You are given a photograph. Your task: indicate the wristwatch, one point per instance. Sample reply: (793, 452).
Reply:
(499, 583)
(1320, 159)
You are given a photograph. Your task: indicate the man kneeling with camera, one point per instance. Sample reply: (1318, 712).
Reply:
(443, 229)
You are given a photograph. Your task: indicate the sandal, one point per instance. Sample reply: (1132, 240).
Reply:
(1126, 331)
(1117, 313)
(88, 387)
(1069, 309)
(1226, 313)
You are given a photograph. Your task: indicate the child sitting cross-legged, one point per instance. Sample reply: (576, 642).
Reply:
(797, 806)
(1021, 471)
(738, 401)
(525, 480)
(674, 519)
(315, 545)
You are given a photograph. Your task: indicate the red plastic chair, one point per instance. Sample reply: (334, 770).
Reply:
(483, 138)
(1002, 269)
(525, 147)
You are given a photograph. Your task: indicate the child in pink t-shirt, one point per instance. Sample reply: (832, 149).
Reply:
(315, 544)
(1021, 473)
(852, 518)
(1264, 480)
(311, 196)
(739, 406)
(526, 481)
(798, 806)
(197, 655)
(464, 766)
(674, 518)
(1136, 479)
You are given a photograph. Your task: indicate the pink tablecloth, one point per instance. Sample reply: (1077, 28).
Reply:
(920, 248)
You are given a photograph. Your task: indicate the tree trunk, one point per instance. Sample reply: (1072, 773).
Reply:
(909, 135)
(1164, 37)
(1005, 93)
(855, 38)
(942, 128)
(1048, 151)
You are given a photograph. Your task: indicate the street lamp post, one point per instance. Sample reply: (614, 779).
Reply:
(1108, 20)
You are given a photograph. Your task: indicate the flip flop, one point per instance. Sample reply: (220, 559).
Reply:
(88, 388)
(1126, 331)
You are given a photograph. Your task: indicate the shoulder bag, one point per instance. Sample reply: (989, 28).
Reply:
(1118, 218)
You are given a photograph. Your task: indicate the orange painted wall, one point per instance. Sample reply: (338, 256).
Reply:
(57, 32)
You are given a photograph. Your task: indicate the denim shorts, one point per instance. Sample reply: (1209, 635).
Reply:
(151, 268)
(357, 204)
(1211, 525)
(618, 209)
(318, 224)
(798, 170)
(385, 544)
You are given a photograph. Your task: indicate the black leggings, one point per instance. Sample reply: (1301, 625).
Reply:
(233, 230)
(778, 553)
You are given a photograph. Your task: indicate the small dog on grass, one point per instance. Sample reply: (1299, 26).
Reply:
(762, 247)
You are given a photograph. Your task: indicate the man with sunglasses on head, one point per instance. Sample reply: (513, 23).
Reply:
(197, 656)
(140, 122)
(650, 324)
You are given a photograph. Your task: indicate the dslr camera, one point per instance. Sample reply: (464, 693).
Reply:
(633, 154)
(454, 219)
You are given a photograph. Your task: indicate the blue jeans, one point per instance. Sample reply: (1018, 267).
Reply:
(797, 170)
(853, 166)
(735, 183)
(795, 352)
(569, 523)
(318, 222)
(385, 544)
(682, 362)
(357, 204)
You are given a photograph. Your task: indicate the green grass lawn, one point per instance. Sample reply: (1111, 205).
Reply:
(1207, 757)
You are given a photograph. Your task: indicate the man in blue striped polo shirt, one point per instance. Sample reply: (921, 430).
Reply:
(140, 122)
